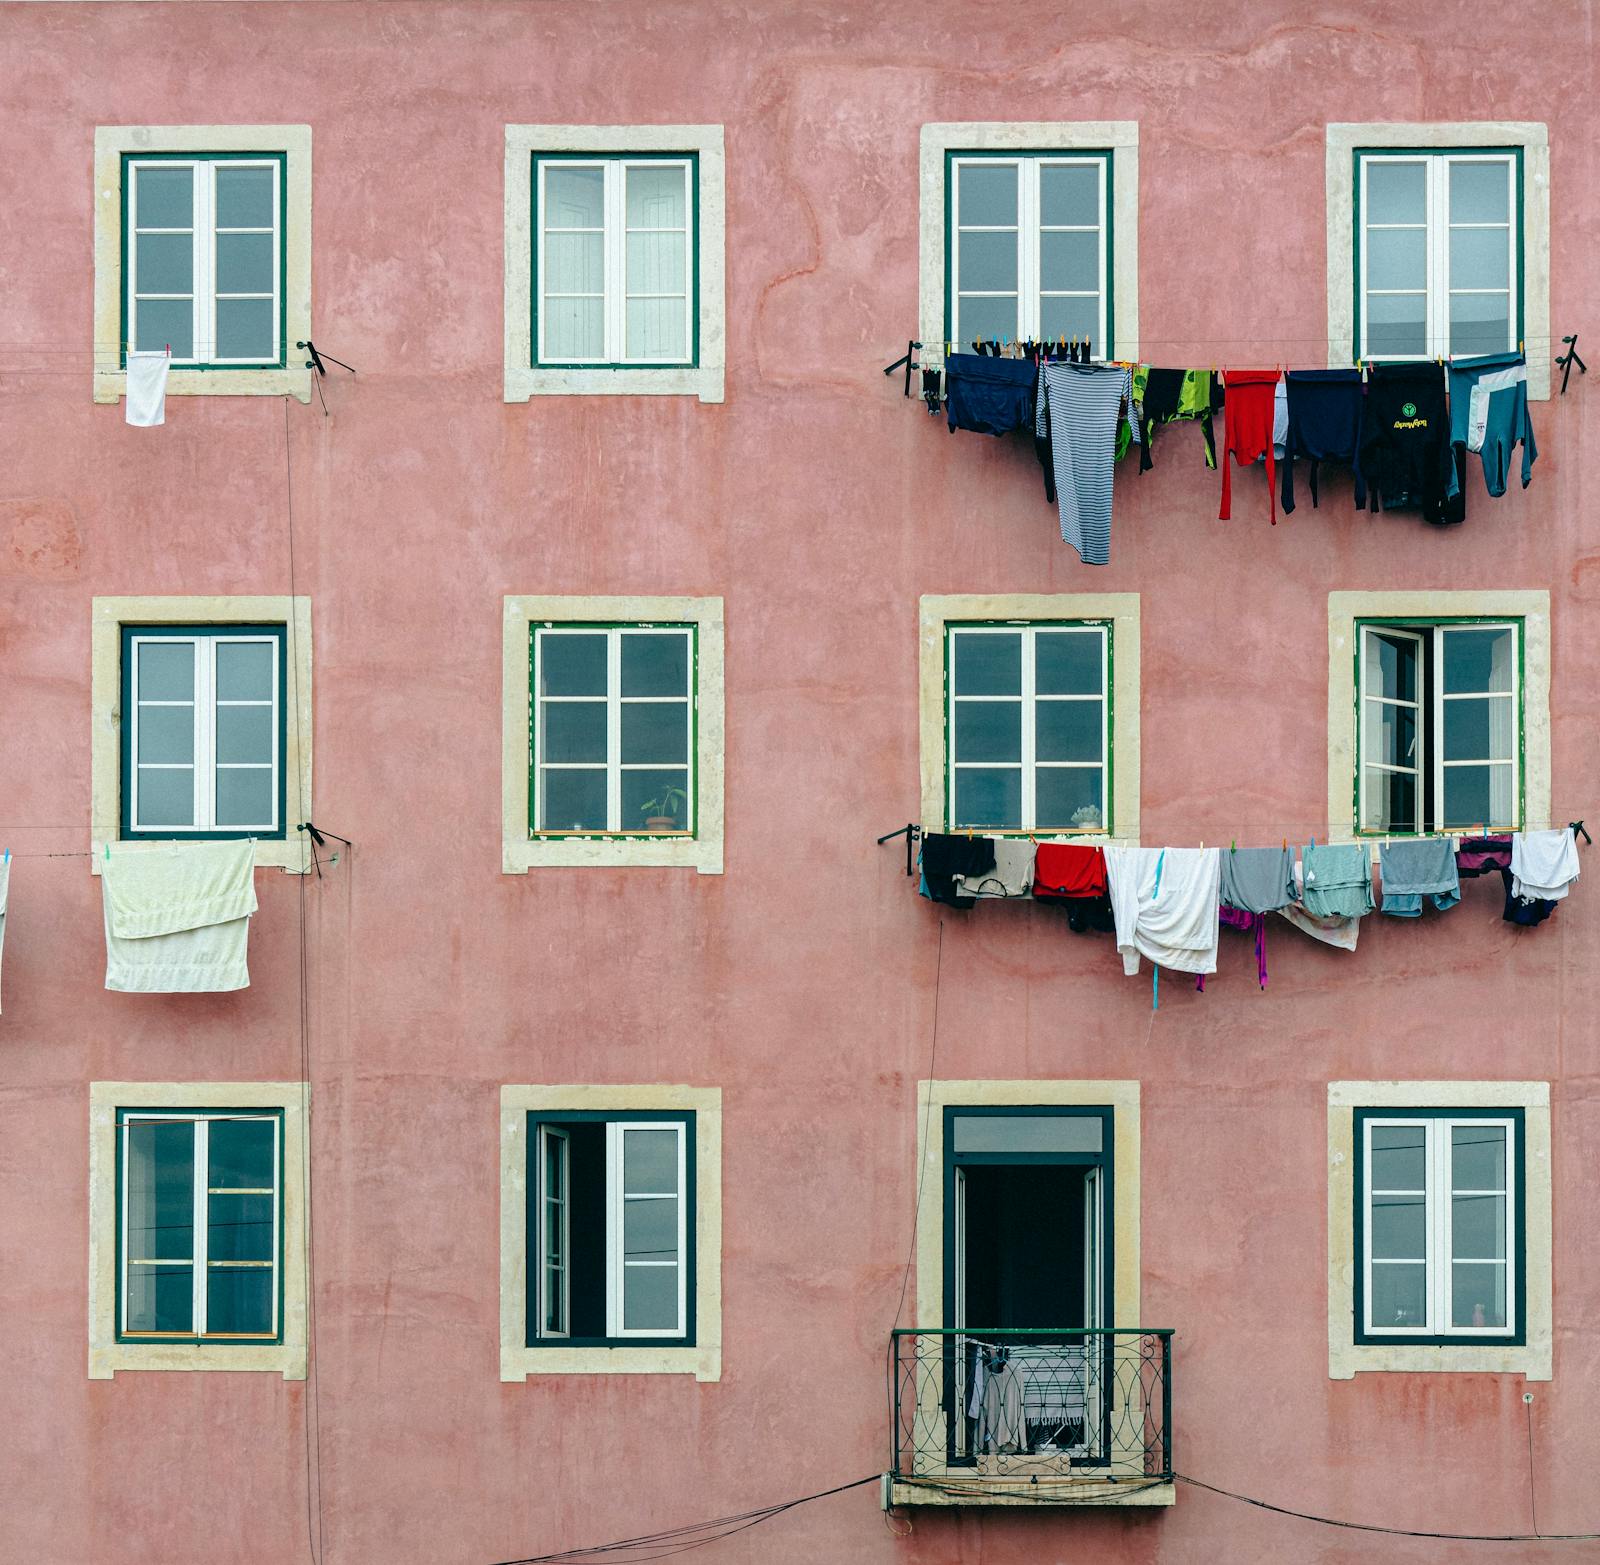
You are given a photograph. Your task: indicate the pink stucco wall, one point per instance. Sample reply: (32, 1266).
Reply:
(820, 505)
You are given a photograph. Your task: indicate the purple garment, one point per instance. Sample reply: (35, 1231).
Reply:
(1233, 918)
(1479, 855)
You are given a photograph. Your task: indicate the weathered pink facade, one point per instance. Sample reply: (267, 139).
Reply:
(820, 506)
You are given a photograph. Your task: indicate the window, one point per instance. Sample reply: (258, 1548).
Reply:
(203, 734)
(1030, 246)
(614, 266)
(613, 740)
(610, 1244)
(1029, 726)
(1441, 721)
(203, 258)
(199, 1226)
(1438, 1232)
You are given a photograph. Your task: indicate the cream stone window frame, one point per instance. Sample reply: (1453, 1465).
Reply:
(111, 143)
(1119, 609)
(517, 1360)
(1531, 1359)
(109, 615)
(704, 379)
(1120, 137)
(522, 851)
(1342, 141)
(107, 1356)
(1346, 609)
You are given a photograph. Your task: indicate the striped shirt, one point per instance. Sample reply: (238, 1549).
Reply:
(1079, 409)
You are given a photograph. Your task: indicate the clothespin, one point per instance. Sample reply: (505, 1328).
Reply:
(108, 853)
(1285, 844)
(7, 858)
(169, 350)
(1233, 846)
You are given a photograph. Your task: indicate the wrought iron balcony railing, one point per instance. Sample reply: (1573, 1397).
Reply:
(1036, 1413)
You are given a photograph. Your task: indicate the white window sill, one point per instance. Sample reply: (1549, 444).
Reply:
(107, 1360)
(112, 385)
(704, 1363)
(697, 853)
(522, 384)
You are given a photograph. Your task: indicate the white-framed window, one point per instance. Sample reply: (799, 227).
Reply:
(615, 264)
(1440, 733)
(203, 730)
(204, 261)
(1029, 725)
(614, 1253)
(199, 1225)
(1440, 1228)
(1030, 246)
(613, 732)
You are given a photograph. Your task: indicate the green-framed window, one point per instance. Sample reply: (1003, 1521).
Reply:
(1438, 1201)
(1028, 725)
(203, 731)
(1438, 252)
(613, 730)
(1439, 727)
(1028, 246)
(200, 1225)
(204, 263)
(615, 243)
(611, 1229)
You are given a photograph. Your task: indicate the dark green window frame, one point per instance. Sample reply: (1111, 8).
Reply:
(692, 158)
(282, 160)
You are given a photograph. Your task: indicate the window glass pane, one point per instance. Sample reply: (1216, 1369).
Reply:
(657, 195)
(657, 263)
(1067, 662)
(1475, 795)
(988, 730)
(164, 197)
(555, 1184)
(245, 798)
(1069, 318)
(988, 796)
(1479, 258)
(1396, 192)
(239, 1300)
(1478, 729)
(1399, 1227)
(1480, 192)
(574, 197)
(1069, 194)
(657, 329)
(660, 794)
(1389, 801)
(553, 1300)
(166, 670)
(1399, 1157)
(1396, 323)
(655, 664)
(164, 263)
(166, 798)
(572, 732)
(246, 263)
(1397, 258)
(574, 328)
(1068, 796)
(574, 263)
(1391, 667)
(1069, 260)
(245, 329)
(987, 664)
(239, 1154)
(166, 733)
(1480, 322)
(655, 732)
(987, 320)
(1478, 1227)
(1399, 1295)
(1478, 1295)
(572, 801)
(160, 1193)
(1392, 734)
(244, 733)
(988, 262)
(1478, 1157)
(650, 1162)
(650, 1298)
(240, 1228)
(1067, 730)
(244, 197)
(573, 665)
(650, 1230)
(1477, 660)
(160, 1298)
(987, 194)
(1026, 1133)
(244, 670)
(160, 324)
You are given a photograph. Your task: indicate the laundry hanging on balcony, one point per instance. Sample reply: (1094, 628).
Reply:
(177, 916)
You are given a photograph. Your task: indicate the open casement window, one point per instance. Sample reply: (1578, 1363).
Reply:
(203, 260)
(203, 731)
(1028, 725)
(611, 1241)
(199, 1225)
(613, 730)
(1029, 247)
(1440, 732)
(1438, 253)
(1438, 1198)
(614, 271)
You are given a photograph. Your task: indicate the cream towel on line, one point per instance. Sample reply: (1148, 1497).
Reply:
(177, 916)
(1165, 903)
(147, 389)
(1543, 863)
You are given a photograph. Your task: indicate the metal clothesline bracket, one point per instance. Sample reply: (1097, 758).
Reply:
(319, 839)
(315, 361)
(1566, 361)
(1577, 830)
(905, 360)
(911, 833)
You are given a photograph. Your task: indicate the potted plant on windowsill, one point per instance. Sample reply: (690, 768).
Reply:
(663, 812)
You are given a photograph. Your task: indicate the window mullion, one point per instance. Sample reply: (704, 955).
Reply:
(1439, 1178)
(614, 730)
(615, 250)
(683, 1229)
(205, 262)
(1028, 271)
(205, 707)
(1435, 697)
(1438, 187)
(1029, 725)
(613, 1235)
(202, 1214)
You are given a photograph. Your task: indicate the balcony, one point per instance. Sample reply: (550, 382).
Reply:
(1068, 1417)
